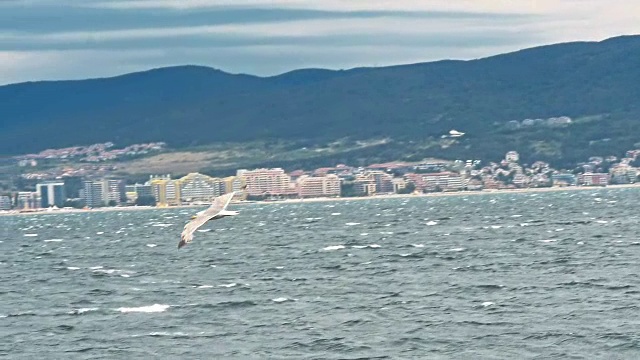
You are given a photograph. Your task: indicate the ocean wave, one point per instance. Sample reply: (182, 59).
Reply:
(333, 247)
(81, 311)
(283, 299)
(145, 309)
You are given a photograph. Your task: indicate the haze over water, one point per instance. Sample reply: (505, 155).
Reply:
(490, 276)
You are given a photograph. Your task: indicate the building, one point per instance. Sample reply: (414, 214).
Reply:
(365, 187)
(490, 183)
(540, 180)
(92, 193)
(135, 191)
(416, 180)
(521, 180)
(623, 174)
(51, 194)
(165, 191)
(103, 192)
(199, 187)
(143, 190)
(442, 181)
(512, 156)
(564, 180)
(113, 191)
(5, 202)
(235, 183)
(323, 186)
(474, 185)
(383, 182)
(27, 200)
(261, 182)
(594, 179)
(399, 184)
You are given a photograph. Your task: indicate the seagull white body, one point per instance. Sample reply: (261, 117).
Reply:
(216, 211)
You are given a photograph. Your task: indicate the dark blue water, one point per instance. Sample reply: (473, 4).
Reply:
(491, 276)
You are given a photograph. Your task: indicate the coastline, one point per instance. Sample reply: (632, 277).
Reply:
(333, 199)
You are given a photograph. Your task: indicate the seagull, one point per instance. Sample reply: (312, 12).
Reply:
(216, 211)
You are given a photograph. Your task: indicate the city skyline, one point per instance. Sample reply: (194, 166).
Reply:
(328, 182)
(47, 40)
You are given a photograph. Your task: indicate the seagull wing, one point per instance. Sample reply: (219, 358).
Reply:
(220, 203)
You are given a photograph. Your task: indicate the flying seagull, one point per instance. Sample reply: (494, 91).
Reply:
(216, 211)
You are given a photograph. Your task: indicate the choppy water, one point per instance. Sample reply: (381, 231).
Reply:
(492, 276)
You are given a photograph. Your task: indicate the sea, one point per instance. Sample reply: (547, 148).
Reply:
(532, 275)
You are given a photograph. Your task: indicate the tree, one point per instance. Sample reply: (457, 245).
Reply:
(146, 200)
(112, 203)
(408, 189)
(72, 186)
(74, 203)
(347, 189)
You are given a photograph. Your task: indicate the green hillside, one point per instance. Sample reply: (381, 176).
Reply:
(593, 83)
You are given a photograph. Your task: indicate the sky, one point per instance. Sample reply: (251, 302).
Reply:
(76, 39)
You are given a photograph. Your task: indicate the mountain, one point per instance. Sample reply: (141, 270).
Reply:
(594, 83)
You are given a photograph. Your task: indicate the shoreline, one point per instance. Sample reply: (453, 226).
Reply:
(333, 199)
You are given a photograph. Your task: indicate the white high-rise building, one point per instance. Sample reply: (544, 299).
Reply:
(51, 194)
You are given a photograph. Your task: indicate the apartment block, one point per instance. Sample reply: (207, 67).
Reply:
(594, 179)
(51, 194)
(5, 202)
(27, 200)
(262, 182)
(322, 186)
(199, 187)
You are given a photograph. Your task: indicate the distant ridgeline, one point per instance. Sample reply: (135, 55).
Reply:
(593, 85)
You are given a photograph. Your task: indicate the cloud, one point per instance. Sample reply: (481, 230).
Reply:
(292, 29)
(39, 19)
(47, 39)
(493, 6)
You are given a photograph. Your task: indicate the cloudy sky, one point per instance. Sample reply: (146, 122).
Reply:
(73, 39)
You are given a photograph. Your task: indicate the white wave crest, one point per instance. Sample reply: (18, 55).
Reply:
(145, 309)
(282, 299)
(82, 311)
(333, 247)
(162, 225)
